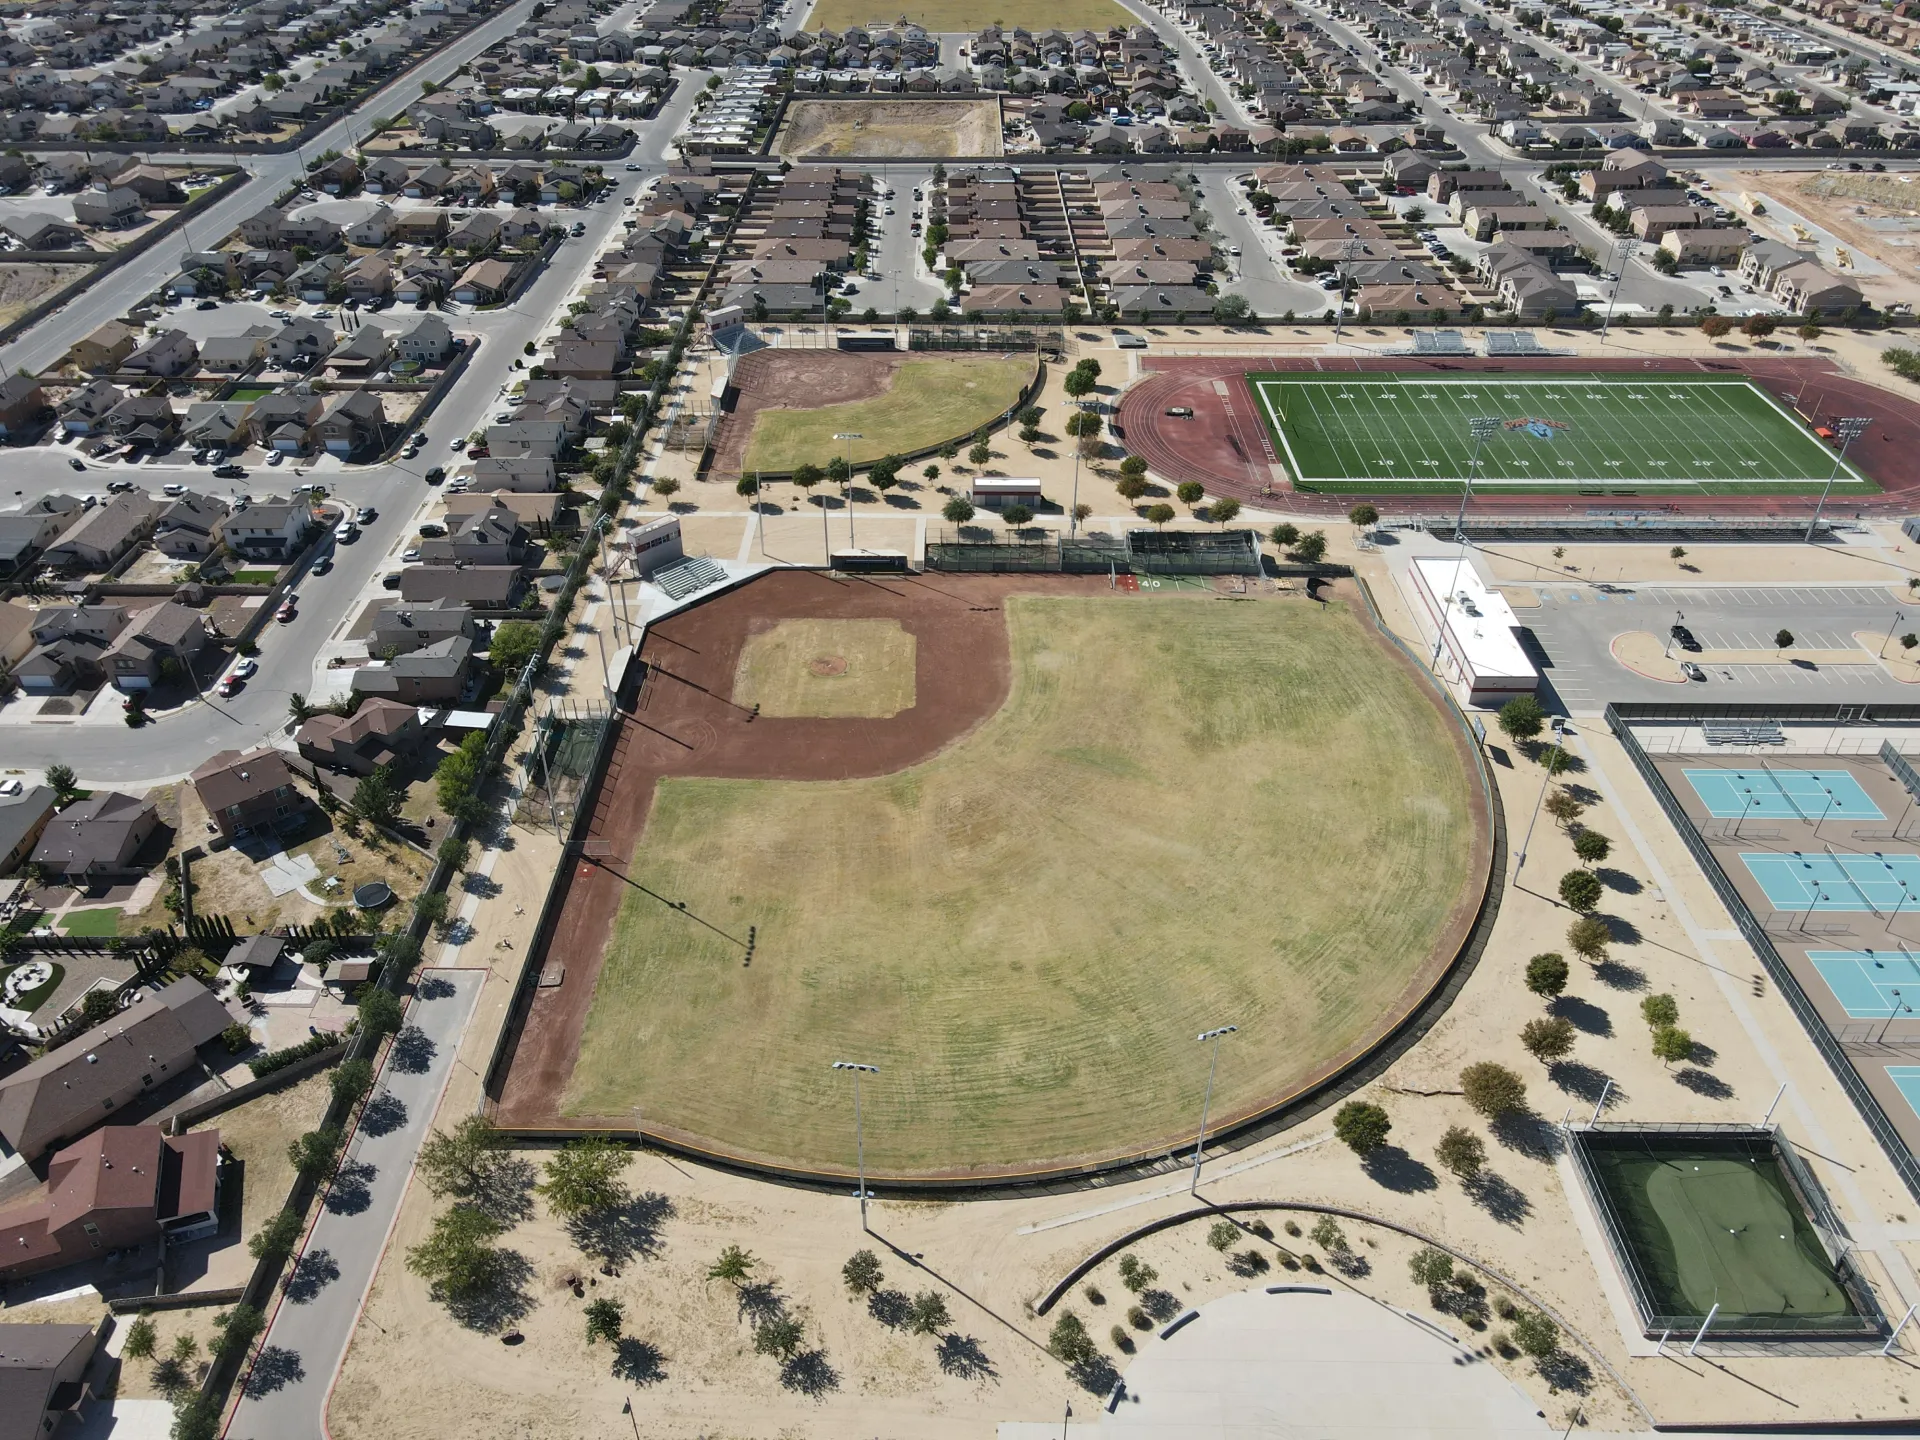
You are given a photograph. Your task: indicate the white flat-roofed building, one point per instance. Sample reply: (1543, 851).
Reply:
(998, 490)
(1478, 631)
(654, 544)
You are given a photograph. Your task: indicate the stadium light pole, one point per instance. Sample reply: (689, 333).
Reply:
(846, 454)
(1479, 427)
(1848, 428)
(1559, 733)
(1200, 1145)
(1618, 276)
(859, 1138)
(1340, 302)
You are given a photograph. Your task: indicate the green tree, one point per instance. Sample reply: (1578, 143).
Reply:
(1131, 487)
(351, 1079)
(585, 1176)
(1677, 554)
(1222, 1235)
(928, 1316)
(1078, 385)
(930, 474)
(604, 1319)
(1311, 547)
(734, 1265)
(666, 487)
(380, 1011)
(1521, 718)
(375, 799)
(1361, 1126)
(98, 1005)
(1461, 1151)
(1016, 515)
(514, 643)
(1030, 416)
(1592, 847)
(1221, 511)
(1430, 1267)
(1547, 974)
(435, 909)
(958, 510)
(1326, 1233)
(1231, 310)
(1159, 514)
(1285, 535)
(839, 472)
(807, 476)
(1659, 1011)
(458, 1258)
(195, 1417)
(1363, 517)
(461, 1161)
(1535, 1334)
(1069, 1341)
(1135, 1273)
(314, 1152)
(298, 710)
(1783, 640)
(980, 454)
(862, 1272)
(1133, 465)
(1548, 1038)
(1671, 1043)
(1588, 937)
(1492, 1089)
(1190, 492)
(1581, 891)
(236, 1330)
(779, 1336)
(65, 787)
(277, 1237)
(1564, 808)
(141, 1337)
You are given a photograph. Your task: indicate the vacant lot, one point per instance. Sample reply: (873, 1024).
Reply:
(924, 402)
(1186, 814)
(908, 128)
(968, 15)
(24, 286)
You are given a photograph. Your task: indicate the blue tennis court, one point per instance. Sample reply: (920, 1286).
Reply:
(1768, 794)
(1864, 981)
(1906, 1079)
(1837, 882)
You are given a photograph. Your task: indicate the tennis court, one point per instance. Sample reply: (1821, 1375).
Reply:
(1871, 985)
(1409, 432)
(1829, 882)
(1906, 1079)
(1768, 794)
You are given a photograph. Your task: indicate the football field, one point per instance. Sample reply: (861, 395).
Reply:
(1587, 434)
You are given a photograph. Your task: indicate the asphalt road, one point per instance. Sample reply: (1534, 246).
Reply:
(1575, 626)
(284, 1397)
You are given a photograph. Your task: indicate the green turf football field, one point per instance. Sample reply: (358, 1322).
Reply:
(1591, 434)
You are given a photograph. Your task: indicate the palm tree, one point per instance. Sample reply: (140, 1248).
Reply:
(734, 1265)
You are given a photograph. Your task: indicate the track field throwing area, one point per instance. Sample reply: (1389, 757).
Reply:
(1869, 984)
(1767, 794)
(1556, 432)
(1828, 882)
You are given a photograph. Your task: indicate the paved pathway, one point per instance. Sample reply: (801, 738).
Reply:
(286, 1394)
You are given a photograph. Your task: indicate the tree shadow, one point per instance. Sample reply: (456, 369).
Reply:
(434, 987)
(758, 1302)
(1618, 880)
(961, 1357)
(311, 1273)
(1096, 1376)
(506, 1194)
(384, 1114)
(638, 1362)
(1350, 1263)
(1702, 1053)
(274, 1368)
(1248, 1263)
(352, 1189)
(1394, 1168)
(1618, 976)
(1525, 1133)
(500, 1302)
(624, 1232)
(1701, 1083)
(485, 886)
(1499, 1197)
(1587, 1017)
(1583, 1082)
(890, 1307)
(1567, 1372)
(808, 1373)
(412, 1051)
(1159, 1304)
(1624, 931)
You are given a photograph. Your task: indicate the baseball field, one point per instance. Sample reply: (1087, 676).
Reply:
(1184, 813)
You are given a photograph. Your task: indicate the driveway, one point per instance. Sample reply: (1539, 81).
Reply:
(285, 1395)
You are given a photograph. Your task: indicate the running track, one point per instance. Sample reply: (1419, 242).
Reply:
(1225, 446)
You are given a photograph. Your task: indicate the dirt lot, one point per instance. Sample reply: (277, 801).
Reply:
(907, 128)
(1874, 215)
(21, 286)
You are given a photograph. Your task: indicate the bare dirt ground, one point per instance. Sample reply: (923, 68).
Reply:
(1874, 215)
(21, 286)
(770, 378)
(906, 128)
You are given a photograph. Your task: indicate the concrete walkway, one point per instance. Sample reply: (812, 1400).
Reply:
(285, 1396)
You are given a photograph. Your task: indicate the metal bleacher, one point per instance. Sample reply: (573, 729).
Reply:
(1750, 734)
(688, 577)
(1514, 342)
(1440, 342)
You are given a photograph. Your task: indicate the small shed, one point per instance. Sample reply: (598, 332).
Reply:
(995, 491)
(256, 952)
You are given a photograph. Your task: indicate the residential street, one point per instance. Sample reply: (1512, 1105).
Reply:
(285, 1396)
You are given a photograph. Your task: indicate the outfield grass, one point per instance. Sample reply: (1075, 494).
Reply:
(1591, 434)
(828, 668)
(929, 401)
(947, 16)
(1187, 814)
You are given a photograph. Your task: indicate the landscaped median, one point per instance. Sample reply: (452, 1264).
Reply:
(1653, 658)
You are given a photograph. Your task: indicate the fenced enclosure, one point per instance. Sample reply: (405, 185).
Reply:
(1140, 552)
(1194, 552)
(555, 766)
(1046, 339)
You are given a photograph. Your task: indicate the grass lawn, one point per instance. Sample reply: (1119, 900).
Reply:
(250, 392)
(255, 577)
(91, 924)
(929, 401)
(1591, 434)
(31, 1000)
(1187, 814)
(828, 668)
(969, 15)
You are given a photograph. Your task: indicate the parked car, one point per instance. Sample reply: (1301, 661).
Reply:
(366, 515)
(435, 475)
(276, 457)
(410, 554)
(322, 565)
(287, 611)
(346, 532)
(390, 580)
(229, 472)
(77, 463)
(208, 305)
(1692, 671)
(173, 489)
(432, 529)
(1180, 412)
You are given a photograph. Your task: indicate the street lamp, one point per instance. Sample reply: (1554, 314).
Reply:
(1559, 731)
(1848, 428)
(1479, 427)
(846, 454)
(1679, 619)
(859, 1139)
(1898, 616)
(1200, 1145)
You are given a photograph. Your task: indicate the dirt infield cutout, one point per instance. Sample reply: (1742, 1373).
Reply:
(828, 668)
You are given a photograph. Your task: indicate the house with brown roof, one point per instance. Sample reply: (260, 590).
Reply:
(118, 1188)
(43, 1377)
(78, 1085)
(102, 352)
(96, 840)
(105, 533)
(484, 282)
(380, 732)
(138, 658)
(254, 791)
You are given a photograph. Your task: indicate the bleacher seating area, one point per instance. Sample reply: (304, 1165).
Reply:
(1756, 734)
(688, 577)
(1440, 342)
(1513, 342)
